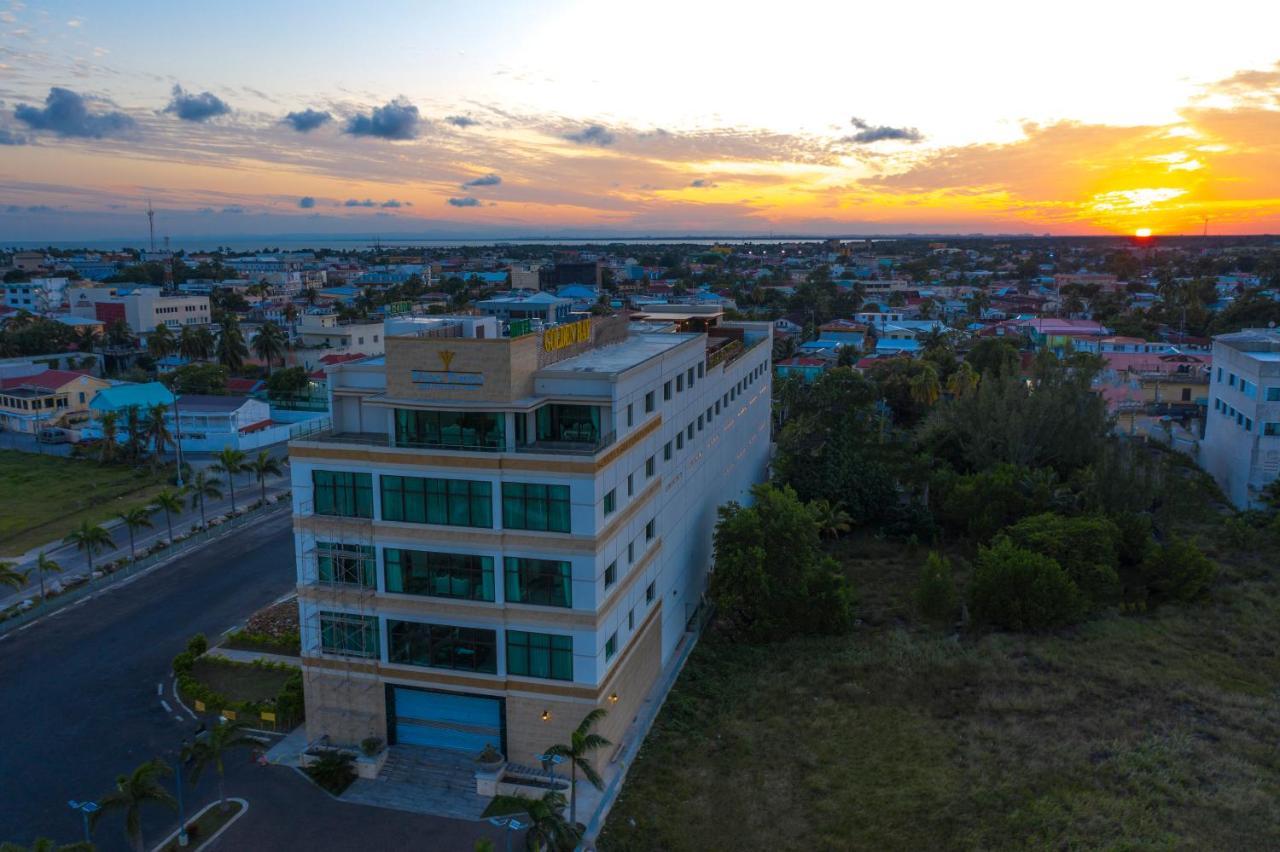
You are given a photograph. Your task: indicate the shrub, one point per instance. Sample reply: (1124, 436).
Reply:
(1086, 547)
(183, 662)
(371, 746)
(197, 645)
(333, 771)
(936, 597)
(1016, 589)
(1177, 571)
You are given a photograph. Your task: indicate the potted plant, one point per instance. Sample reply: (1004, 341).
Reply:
(490, 759)
(371, 746)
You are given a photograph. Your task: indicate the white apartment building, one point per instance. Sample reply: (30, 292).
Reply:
(37, 296)
(501, 534)
(146, 308)
(1241, 446)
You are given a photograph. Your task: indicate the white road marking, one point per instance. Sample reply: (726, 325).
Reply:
(165, 705)
(159, 689)
(178, 718)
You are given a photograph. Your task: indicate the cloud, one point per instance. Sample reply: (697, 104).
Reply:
(702, 183)
(192, 107)
(8, 137)
(484, 180)
(307, 120)
(34, 208)
(460, 120)
(234, 209)
(592, 134)
(467, 201)
(391, 202)
(306, 202)
(354, 202)
(66, 113)
(868, 134)
(398, 119)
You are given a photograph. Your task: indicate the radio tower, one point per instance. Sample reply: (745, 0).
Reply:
(151, 223)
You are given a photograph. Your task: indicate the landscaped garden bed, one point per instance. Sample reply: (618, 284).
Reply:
(203, 827)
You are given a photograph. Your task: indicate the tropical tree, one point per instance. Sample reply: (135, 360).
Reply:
(547, 831)
(119, 333)
(136, 518)
(195, 343)
(110, 424)
(831, 518)
(582, 742)
(11, 576)
(270, 344)
(135, 432)
(44, 565)
(158, 429)
(44, 844)
(204, 486)
(209, 751)
(134, 791)
(169, 501)
(925, 388)
(262, 466)
(90, 538)
(231, 348)
(963, 380)
(160, 343)
(229, 461)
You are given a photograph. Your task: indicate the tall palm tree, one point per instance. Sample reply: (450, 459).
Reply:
(270, 344)
(90, 538)
(134, 791)
(44, 565)
(202, 486)
(135, 432)
(229, 461)
(160, 343)
(548, 831)
(925, 389)
(264, 465)
(195, 343)
(169, 501)
(119, 333)
(134, 519)
(963, 380)
(110, 425)
(209, 751)
(831, 518)
(11, 576)
(582, 742)
(231, 348)
(158, 429)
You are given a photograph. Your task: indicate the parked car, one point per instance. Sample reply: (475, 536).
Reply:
(53, 435)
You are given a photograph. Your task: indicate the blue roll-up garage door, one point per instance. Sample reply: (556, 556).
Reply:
(446, 720)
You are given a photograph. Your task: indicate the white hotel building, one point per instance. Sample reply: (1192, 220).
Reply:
(1241, 446)
(502, 533)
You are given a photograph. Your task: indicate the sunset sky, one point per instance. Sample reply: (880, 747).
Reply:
(657, 118)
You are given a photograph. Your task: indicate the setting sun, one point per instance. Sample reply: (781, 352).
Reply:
(1142, 232)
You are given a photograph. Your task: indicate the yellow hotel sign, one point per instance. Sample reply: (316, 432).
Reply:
(566, 335)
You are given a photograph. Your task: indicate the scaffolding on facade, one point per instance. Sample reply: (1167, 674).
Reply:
(341, 638)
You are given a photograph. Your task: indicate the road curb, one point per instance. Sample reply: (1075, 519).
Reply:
(244, 809)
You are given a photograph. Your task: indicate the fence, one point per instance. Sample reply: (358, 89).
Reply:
(194, 541)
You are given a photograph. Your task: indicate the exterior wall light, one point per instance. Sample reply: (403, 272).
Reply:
(613, 699)
(546, 715)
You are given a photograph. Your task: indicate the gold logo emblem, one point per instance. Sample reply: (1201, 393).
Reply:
(446, 358)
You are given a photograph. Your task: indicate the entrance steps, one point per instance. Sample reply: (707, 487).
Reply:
(422, 780)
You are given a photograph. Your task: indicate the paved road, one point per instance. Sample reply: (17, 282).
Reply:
(74, 562)
(79, 705)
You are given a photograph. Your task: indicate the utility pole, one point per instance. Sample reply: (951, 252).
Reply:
(151, 223)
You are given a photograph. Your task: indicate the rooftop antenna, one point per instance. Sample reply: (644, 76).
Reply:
(1206, 227)
(151, 223)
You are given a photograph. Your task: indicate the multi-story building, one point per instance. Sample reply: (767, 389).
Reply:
(142, 308)
(503, 533)
(30, 403)
(1241, 447)
(37, 296)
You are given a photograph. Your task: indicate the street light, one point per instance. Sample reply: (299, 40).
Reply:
(85, 808)
(510, 823)
(182, 813)
(549, 764)
(177, 425)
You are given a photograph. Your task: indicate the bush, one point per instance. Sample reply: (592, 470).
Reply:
(1016, 589)
(183, 662)
(1085, 547)
(197, 645)
(333, 771)
(936, 597)
(371, 746)
(1177, 571)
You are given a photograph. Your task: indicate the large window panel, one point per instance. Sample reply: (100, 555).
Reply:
(547, 582)
(533, 506)
(348, 564)
(464, 430)
(542, 655)
(441, 646)
(347, 495)
(439, 575)
(349, 635)
(452, 502)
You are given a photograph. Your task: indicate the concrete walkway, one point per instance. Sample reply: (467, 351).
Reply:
(424, 781)
(250, 656)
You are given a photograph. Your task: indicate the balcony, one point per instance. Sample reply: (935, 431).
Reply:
(584, 446)
(581, 447)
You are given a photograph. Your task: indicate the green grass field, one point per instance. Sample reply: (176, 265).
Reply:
(1128, 732)
(42, 498)
(240, 682)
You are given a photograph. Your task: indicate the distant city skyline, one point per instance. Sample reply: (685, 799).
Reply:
(526, 119)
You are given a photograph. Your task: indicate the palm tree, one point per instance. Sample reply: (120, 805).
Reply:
(110, 424)
(204, 486)
(231, 348)
(90, 538)
(924, 386)
(195, 343)
(547, 829)
(158, 428)
(269, 344)
(169, 501)
(44, 844)
(963, 380)
(136, 518)
(45, 565)
(264, 465)
(209, 752)
(160, 343)
(229, 461)
(581, 743)
(831, 518)
(133, 791)
(11, 576)
(135, 432)
(119, 333)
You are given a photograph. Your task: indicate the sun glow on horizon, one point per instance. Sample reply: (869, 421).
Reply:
(1142, 233)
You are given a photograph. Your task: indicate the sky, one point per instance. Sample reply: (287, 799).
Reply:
(662, 118)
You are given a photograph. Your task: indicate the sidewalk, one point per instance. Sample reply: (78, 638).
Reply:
(250, 656)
